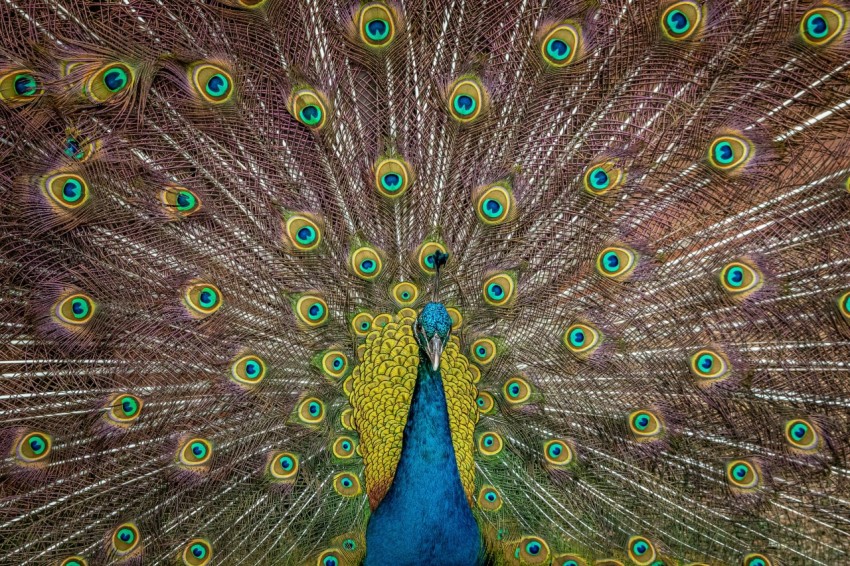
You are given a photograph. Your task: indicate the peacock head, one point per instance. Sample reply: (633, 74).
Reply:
(432, 329)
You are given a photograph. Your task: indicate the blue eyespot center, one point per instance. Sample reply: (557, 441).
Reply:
(577, 337)
(252, 369)
(306, 235)
(368, 266)
(464, 104)
(489, 441)
(80, 308)
(198, 551)
(37, 445)
(25, 84)
(349, 544)
(705, 362)
(72, 190)
(514, 390)
(642, 421)
(735, 277)
(480, 351)
(286, 463)
(314, 408)
(311, 114)
(185, 200)
(429, 261)
(557, 49)
(599, 178)
(723, 153)
(377, 29)
(346, 482)
(217, 85)
(533, 548)
(678, 22)
(126, 535)
(115, 79)
(555, 450)
(391, 181)
(490, 496)
(72, 149)
(315, 311)
(337, 363)
(492, 208)
(640, 548)
(799, 430)
(740, 471)
(346, 446)
(207, 297)
(330, 561)
(611, 262)
(817, 26)
(198, 449)
(495, 291)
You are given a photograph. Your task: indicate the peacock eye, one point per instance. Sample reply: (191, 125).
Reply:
(582, 339)
(248, 370)
(490, 444)
(202, 299)
(75, 310)
(755, 559)
(742, 474)
(494, 204)
(19, 86)
(67, 191)
(347, 484)
(311, 310)
(820, 26)
(466, 100)
(309, 108)
(483, 351)
(334, 363)
(681, 20)
(197, 552)
(498, 289)
(560, 46)
(426, 257)
(645, 425)
(532, 550)
(344, 447)
(489, 498)
(366, 262)
(34, 447)
(602, 178)
(405, 293)
(108, 82)
(303, 233)
(557, 453)
(516, 390)
(485, 402)
(212, 82)
(283, 466)
(392, 177)
(362, 324)
(709, 365)
(195, 452)
(311, 410)
(740, 279)
(377, 26)
(125, 539)
(801, 434)
(124, 409)
(641, 551)
(616, 263)
(729, 153)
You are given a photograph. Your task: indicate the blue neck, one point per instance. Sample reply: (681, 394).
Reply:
(425, 517)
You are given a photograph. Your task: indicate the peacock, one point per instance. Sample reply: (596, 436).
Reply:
(448, 282)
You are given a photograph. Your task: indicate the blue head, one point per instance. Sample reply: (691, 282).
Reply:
(432, 329)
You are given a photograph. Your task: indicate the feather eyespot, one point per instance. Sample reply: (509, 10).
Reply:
(483, 351)
(195, 452)
(309, 107)
(303, 232)
(490, 444)
(125, 539)
(494, 204)
(801, 434)
(532, 550)
(77, 149)
(756, 559)
(76, 309)
(330, 557)
(124, 409)
(283, 466)
(821, 26)
(347, 484)
(19, 86)
(248, 370)
(616, 263)
(392, 177)
(742, 474)
(641, 551)
(740, 279)
(361, 324)
(109, 81)
(582, 339)
(335, 364)
(197, 552)
(709, 365)
(405, 294)
(681, 20)
(466, 100)
(344, 447)
(34, 447)
(426, 256)
(202, 299)
(516, 391)
(557, 453)
(311, 310)
(456, 316)
(366, 263)
(180, 201)
(211, 82)
(561, 46)
(489, 498)
(485, 402)
(66, 191)
(311, 410)
(568, 560)
(376, 25)
(729, 152)
(74, 561)
(603, 178)
(498, 290)
(645, 425)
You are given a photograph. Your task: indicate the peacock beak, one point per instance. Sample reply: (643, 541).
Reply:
(435, 351)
